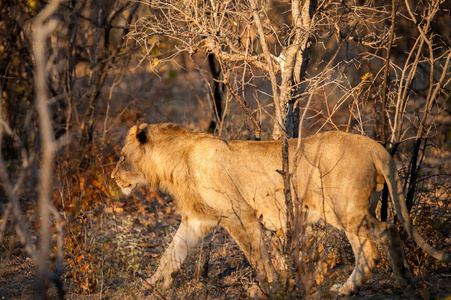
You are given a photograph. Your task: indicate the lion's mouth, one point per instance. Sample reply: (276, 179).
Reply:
(127, 189)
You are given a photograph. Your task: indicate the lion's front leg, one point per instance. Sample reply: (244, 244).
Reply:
(247, 232)
(185, 240)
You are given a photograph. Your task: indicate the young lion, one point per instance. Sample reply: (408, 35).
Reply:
(338, 176)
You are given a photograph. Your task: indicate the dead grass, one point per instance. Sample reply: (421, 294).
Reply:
(109, 246)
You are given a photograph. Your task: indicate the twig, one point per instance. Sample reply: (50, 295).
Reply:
(20, 225)
(278, 126)
(386, 72)
(243, 106)
(4, 220)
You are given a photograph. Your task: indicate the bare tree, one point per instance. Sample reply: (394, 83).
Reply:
(44, 102)
(238, 35)
(43, 26)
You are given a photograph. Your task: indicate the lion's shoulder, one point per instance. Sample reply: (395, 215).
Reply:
(172, 138)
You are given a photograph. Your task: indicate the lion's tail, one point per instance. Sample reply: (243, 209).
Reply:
(390, 174)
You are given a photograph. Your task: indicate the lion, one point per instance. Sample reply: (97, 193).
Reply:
(338, 176)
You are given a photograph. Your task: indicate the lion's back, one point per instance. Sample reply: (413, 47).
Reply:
(338, 145)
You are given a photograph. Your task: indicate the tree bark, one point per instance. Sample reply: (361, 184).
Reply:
(384, 207)
(44, 27)
(217, 95)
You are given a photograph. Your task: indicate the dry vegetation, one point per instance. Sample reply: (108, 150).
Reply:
(104, 75)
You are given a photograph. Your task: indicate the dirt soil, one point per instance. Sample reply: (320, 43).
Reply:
(149, 221)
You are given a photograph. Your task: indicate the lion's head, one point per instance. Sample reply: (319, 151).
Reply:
(127, 173)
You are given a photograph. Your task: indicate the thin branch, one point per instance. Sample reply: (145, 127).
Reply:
(44, 26)
(243, 106)
(19, 219)
(386, 72)
(278, 126)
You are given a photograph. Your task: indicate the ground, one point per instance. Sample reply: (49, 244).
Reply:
(123, 240)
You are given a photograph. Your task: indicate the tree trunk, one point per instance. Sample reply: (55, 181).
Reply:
(384, 208)
(217, 93)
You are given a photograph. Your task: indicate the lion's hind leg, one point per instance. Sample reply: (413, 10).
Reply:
(361, 236)
(386, 234)
(366, 258)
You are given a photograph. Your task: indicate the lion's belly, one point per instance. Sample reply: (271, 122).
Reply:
(257, 194)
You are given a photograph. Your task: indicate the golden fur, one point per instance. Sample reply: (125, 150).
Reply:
(338, 176)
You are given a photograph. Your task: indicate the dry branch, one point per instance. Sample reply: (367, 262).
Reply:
(44, 26)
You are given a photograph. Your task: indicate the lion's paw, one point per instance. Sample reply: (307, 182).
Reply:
(151, 283)
(341, 290)
(147, 283)
(254, 292)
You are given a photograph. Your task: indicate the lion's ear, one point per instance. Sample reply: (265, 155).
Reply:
(143, 126)
(141, 134)
(133, 131)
